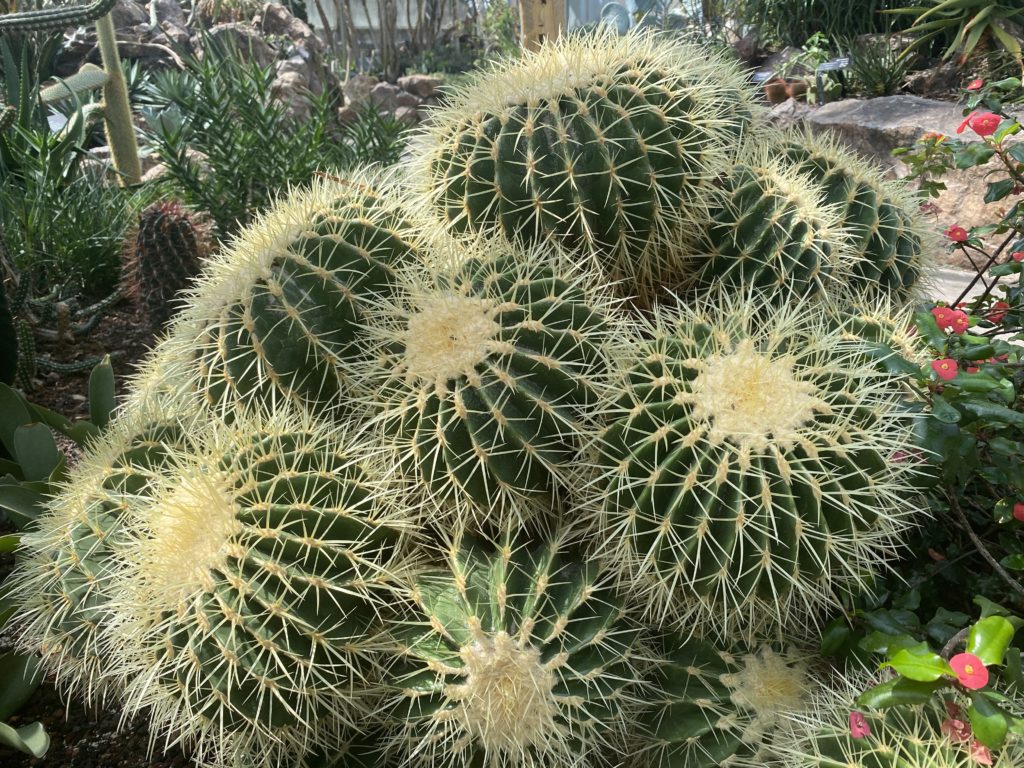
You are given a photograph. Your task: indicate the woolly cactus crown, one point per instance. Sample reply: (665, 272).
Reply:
(751, 466)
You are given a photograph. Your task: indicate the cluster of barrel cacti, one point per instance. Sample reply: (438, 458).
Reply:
(547, 449)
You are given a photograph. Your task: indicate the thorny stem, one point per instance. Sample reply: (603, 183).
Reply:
(954, 505)
(953, 642)
(981, 272)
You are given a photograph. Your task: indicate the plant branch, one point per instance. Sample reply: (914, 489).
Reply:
(954, 505)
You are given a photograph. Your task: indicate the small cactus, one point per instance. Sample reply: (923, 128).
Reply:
(274, 314)
(751, 467)
(165, 254)
(602, 143)
(486, 372)
(523, 659)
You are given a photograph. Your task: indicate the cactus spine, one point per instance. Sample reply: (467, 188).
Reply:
(522, 659)
(602, 143)
(487, 371)
(750, 468)
(169, 248)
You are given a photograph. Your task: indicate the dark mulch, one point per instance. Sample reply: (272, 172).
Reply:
(82, 737)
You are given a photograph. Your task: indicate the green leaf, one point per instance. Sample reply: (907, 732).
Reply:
(31, 739)
(1016, 151)
(9, 542)
(20, 675)
(36, 450)
(997, 190)
(919, 663)
(1013, 562)
(23, 503)
(101, 393)
(972, 154)
(989, 723)
(13, 414)
(881, 642)
(899, 692)
(943, 411)
(989, 638)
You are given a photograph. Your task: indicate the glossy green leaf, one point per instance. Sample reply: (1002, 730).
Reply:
(989, 638)
(899, 692)
(989, 723)
(20, 675)
(919, 663)
(13, 414)
(32, 739)
(36, 450)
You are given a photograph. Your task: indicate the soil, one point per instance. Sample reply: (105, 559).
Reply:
(81, 737)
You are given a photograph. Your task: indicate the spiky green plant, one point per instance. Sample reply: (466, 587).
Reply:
(252, 575)
(750, 469)
(891, 248)
(64, 579)
(900, 737)
(486, 370)
(769, 228)
(717, 708)
(274, 314)
(165, 254)
(522, 658)
(603, 143)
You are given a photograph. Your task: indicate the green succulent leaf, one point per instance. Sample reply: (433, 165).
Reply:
(899, 691)
(919, 663)
(989, 639)
(989, 723)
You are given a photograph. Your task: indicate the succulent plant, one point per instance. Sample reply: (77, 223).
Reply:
(274, 314)
(770, 229)
(165, 255)
(931, 735)
(253, 574)
(717, 708)
(751, 467)
(602, 143)
(65, 577)
(485, 370)
(890, 247)
(522, 657)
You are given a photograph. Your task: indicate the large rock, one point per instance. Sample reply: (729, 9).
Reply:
(875, 127)
(275, 19)
(357, 89)
(126, 14)
(244, 39)
(385, 96)
(420, 85)
(167, 11)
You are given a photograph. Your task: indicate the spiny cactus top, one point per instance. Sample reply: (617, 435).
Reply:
(717, 708)
(601, 142)
(751, 466)
(891, 247)
(523, 659)
(275, 312)
(769, 228)
(932, 735)
(65, 576)
(254, 573)
(486, 370)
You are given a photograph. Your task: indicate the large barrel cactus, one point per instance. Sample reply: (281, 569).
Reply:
(716, 707)
(769, 228)
(275, 313)
(891, 247)
(751, 466)
(486, 371)
(522, 659)
(603, 143)
(252, 577)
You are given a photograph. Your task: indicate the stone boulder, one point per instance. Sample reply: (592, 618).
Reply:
(385, 96)
(167, 11)
(127, 14)
(275, 19)
(245, 40)
(357, 89)
(423, 86)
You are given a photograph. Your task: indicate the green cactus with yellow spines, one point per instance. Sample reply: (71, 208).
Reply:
(601, 143)
(275, 313)
(522, 657)
(750, 470)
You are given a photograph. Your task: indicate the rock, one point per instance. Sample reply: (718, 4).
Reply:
(126, 13)
(777, 61)
(875, 127)
(244, 39)
(275, 19)
(357, 88)
(406, 99)
(348, 114)
(290, 88)
(789, 113)
(943, 78)
(175, 33)
(168, 11)
(420, 85)
(385, 96)
(408, 115)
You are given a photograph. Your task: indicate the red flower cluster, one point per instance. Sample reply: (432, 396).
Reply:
(1017, 255)
(975, 84)
(998, 312)
(957, 234)
(946, 368)
(951, 319)
(982, 123)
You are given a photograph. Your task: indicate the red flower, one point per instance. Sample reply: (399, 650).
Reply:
(859, 727)
(933, 136)
(980, 753)
(941, 315)
(975, 84)
(1018, 511)
(1017, 255)
(982, 123)
(999, 312)
(973, 369)
(945, 368)
(956, 730)
(958, 321)
(970, 671)
(957, 234)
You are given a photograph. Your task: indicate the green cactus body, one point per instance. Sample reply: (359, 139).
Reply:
(486, 371)
(8, 340)
(254, 574)
(65, 577)
(25, 346)
(275, 313)
(55, 18)
(890, 246)
(169, 248)
(769, 229)
(602, 143)
(523, 659)
(900, 737)
(753, 466)
(717, 709)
